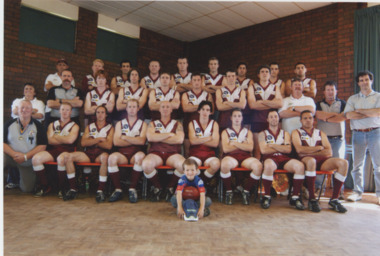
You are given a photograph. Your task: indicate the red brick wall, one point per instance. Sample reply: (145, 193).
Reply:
(25, 62)
(321, 38)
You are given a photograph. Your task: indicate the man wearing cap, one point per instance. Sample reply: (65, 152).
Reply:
(55, 79)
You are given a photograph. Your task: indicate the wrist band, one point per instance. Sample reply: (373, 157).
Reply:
(25, 157)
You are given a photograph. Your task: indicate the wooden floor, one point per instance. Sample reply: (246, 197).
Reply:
(49, 226)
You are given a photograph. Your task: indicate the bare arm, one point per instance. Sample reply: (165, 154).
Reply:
(143, 99)
(276, 102)
(303, 150)
(288, 89)
(187, 106)
(266, 148)
(88, 108)
(107, 144)
(121, 104)
(154, 105)
(175, 102)
(312, 90)
(178, 137)
(152, 136)
(56, 139)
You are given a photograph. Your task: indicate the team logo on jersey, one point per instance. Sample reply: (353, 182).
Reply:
(259, 90)
(95, 97)
(159, 127)
(233, 136)
(159, 95)
(93, 130)
(125, 127)
(57, 129)
(237, 83)
(127, 93)
(270, 139)
(304, 136)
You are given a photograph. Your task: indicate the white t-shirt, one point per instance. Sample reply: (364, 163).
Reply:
(37, 104)
(291, 123)
(56, 80)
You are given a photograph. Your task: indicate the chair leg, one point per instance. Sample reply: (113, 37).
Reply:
(323, 182)
(144, 187)
(220, 190)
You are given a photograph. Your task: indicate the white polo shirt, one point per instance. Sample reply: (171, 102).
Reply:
(291, 123)
(37, 104)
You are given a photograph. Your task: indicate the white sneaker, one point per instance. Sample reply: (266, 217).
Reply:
(355, 196)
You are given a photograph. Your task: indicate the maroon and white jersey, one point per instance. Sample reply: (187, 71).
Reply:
(310, 139)
(278, 138)
(152, 83)
(131, 130)
(130, 94)
(278, 83)
(121, 83)
(200, 150)
(306, 82)
(194, 99)
(242, 84)
(63, 131)
(240, 137)
(213, 80)
(98, 99)
(95, 132)
(267, 92)
(231, 96)
(162, 96)
(182, 79)
(160, 127)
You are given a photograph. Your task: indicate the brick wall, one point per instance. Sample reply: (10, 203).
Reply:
(25, 62)
(321, 38)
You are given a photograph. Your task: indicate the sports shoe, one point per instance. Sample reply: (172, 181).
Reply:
(70, 195)
(42, 191)
(265, 202)
(100, 197)
(246, 197)
(169, 192)
(355, 196)
(229, 196)
(132, 196)
(313, 205)
(297, 203)
(156, 195)
(116, 196)
(11, 185)
(206, 212)
(273, 192)
(335, 205)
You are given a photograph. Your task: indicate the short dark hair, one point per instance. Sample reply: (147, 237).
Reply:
(183, 57)
(155, 61)
(236, 109)
(203, 103)
(261, 67)
(364, 73)
(129, 74)
(306, 111)
(241, 63)
(330, 83)
(274, 63)
(195, 74)
(69, 70)
(272, 110)
(299, 63)
(189, 161)
(30, 84)
(230, 70)
(125, 61)
(101, 72)
(213, 58)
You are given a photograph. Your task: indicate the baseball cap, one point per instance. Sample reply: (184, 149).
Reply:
(62, 60)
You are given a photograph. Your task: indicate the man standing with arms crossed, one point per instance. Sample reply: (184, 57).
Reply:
(363, 110)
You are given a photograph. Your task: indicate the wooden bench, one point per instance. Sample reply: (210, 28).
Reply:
(220, 189)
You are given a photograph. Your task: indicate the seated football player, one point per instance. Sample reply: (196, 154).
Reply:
(97, 141)
(190, 103)
(133, 91)
(164, 93)
(275, 148)
(165, 137)
(204, 140)
(62, 135)
(237, 145)
(129, 138)
(314, 150)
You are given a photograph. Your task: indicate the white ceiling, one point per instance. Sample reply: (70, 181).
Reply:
(194, 20)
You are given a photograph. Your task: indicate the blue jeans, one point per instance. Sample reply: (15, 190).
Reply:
(338, 146)
(173, 200)
(361, 141)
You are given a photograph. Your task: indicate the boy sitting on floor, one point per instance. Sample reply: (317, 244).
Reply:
(190, 178)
